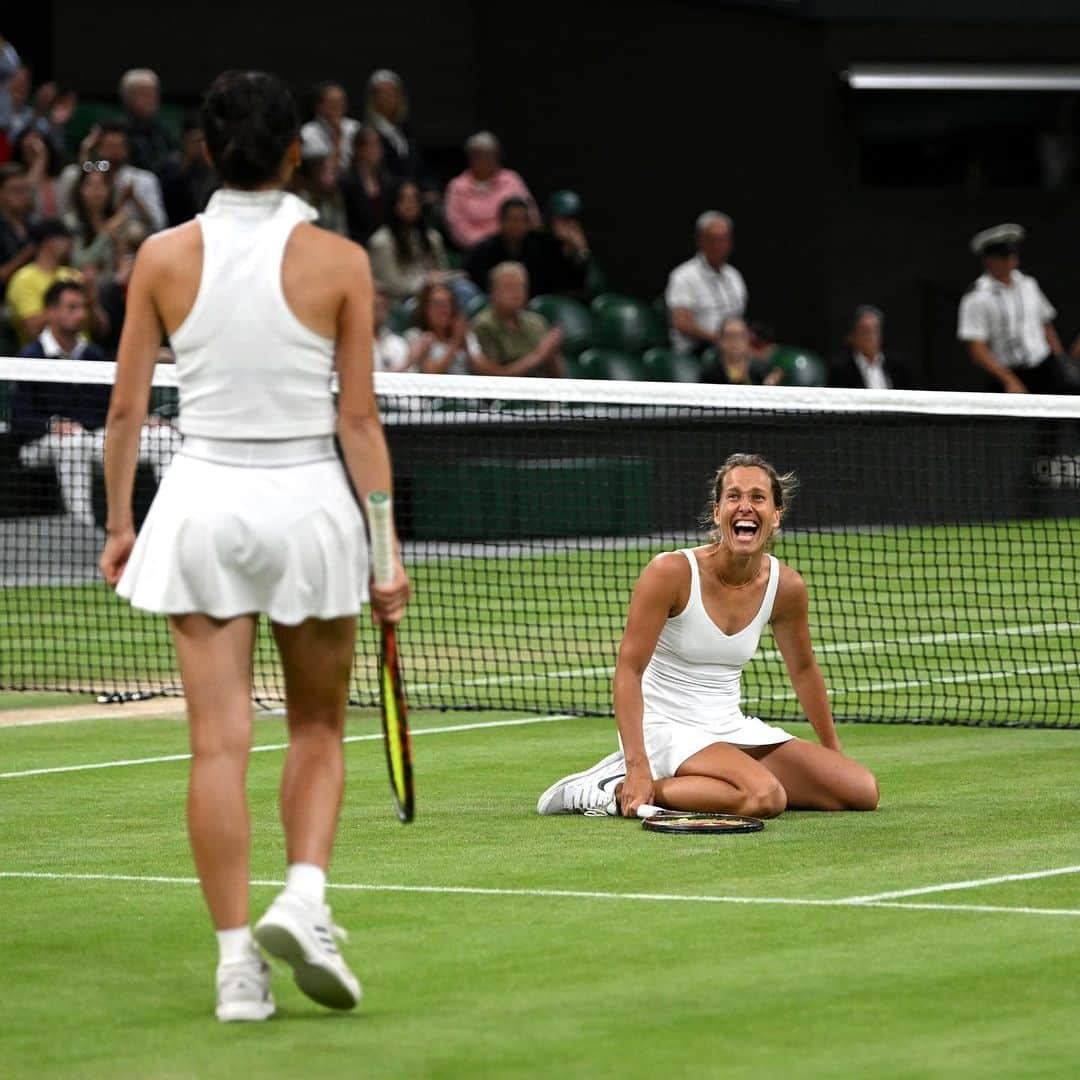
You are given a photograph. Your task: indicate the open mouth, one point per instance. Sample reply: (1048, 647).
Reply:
(745, 529)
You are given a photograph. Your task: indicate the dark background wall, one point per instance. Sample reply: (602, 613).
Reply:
(654, 112)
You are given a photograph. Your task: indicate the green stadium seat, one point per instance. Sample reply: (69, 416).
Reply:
(608, 364)
(401, 317)
(621, 322)
(664, 365)
(801, 367)
(474, 305)
(571, 315)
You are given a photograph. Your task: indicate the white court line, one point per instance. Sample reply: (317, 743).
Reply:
(556, 894)
(827, 649)
(910, 684)
(449, 728)
(952, 886)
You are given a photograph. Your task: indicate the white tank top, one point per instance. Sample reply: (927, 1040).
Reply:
(246, 367)
(695, 672)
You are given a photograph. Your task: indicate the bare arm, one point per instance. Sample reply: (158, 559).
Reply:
(683, 320)
(18, 260)
(1052, 339)
(359, 427)
(984, 358)
(655, 596)
(544, 354)
(139, 345)
(791, 630)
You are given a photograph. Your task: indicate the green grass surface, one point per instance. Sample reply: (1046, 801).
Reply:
(949, 623)
(115, 978)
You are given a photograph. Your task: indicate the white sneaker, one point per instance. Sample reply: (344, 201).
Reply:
(302, 934)
(588, 792)
(243, 990)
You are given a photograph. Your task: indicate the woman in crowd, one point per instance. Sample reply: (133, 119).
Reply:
(316, 183)
(406, 249)
(441, 342)
(366, 186)
(43, 164)
(735, 363)
(95, 220)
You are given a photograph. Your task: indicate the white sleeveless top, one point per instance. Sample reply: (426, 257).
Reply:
(246, 367)
(695, 674)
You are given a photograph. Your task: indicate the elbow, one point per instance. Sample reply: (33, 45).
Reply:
(123, 412)
(357, 422)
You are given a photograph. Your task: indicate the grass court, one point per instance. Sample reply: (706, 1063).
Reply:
(935, 937)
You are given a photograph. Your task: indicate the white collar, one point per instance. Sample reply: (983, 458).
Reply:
(988, 281)
(53, 349)
(708, 267)
(266, 202)
(860, 358)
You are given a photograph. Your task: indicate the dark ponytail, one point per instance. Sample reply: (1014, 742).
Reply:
(250, 121)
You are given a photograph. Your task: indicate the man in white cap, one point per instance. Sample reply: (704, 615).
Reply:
(1007, 322)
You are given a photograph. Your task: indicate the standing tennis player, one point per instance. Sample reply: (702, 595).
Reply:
(256, 515)
(695, 620)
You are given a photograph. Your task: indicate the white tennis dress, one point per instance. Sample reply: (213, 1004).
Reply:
(691, 687)
(256, 513)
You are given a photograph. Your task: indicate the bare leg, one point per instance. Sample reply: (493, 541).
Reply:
(722, 779)
(317, 656)
(215, 665)
(816, 778)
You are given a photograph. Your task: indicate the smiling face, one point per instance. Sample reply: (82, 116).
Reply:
(746, 514)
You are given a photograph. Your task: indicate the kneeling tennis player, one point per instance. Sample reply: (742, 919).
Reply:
(256, 515)
(695, 620)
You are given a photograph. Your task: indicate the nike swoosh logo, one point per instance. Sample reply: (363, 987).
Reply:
(601, 784)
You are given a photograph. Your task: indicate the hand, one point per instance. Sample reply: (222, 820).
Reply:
(774, 376)
(33, 149)
(570, 234)
(62, 109)
(115, 555)
(62, 426)
(89, 144)
(1013, 385)
(637, 790)
(551, 341)
(388, 602)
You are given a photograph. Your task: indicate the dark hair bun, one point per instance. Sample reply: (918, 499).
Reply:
(249, 118)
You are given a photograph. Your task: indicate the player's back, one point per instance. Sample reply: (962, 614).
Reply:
(247, 366)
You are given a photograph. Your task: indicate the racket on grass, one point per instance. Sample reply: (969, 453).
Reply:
(676, 821)
(395, 712)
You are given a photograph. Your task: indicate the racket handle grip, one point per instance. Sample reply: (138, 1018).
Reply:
(380, 515)
(647, 811)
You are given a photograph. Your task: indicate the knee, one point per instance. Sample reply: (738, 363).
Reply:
(866, 792)
(767, 799)
(322, 724)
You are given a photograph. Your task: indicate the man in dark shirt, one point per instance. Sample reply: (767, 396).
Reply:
(556, 261)
(150, 140)
(864, 364)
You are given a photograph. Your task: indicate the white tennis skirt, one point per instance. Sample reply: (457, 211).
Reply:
(242, 527)
(668, 743)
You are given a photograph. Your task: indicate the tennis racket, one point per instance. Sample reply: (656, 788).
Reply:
(395, 712)
(654, 819)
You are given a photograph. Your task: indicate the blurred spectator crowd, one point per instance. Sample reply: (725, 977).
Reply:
(473, 275)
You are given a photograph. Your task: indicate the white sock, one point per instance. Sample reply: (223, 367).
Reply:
(306, 880)
(235, 945)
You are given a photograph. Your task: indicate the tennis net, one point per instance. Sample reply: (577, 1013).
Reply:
(939, 535)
